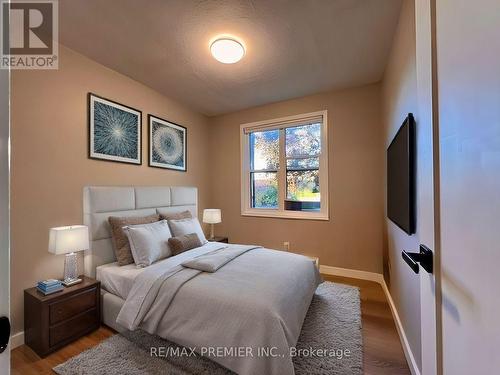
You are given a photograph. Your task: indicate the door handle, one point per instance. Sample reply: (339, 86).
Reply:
(4, 333)
(408, 258)
(424, 257)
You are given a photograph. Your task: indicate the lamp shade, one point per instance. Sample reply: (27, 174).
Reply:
(63, 240)
(212, 216)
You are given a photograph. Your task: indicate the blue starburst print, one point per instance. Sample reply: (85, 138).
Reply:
(115, 132)
(167, 144)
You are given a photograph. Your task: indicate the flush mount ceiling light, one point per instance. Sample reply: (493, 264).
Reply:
(227, 50)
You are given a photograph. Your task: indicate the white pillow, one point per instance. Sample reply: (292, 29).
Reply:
(187, 226)
(149, 242)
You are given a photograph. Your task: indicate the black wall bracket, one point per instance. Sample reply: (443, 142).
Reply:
(4, 333)
(424, 257)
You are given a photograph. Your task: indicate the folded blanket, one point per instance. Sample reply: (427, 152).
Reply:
(211, 262)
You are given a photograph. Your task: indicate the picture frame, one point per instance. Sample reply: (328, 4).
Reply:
(115, 131)
(167, 144)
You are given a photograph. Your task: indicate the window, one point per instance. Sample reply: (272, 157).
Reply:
(285, 167)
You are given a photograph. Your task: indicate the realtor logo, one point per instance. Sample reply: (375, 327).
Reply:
(29, 34)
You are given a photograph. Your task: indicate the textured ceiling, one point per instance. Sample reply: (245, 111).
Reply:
(293, 47)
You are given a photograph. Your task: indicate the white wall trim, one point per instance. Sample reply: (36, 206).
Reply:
(379, 278)
(402, 335)
(17, 339)
(355, 274)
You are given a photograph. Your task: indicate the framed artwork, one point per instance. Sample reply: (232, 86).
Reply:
(114, 131)
(167, 144)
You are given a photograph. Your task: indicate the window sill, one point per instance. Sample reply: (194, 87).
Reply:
(297, 215)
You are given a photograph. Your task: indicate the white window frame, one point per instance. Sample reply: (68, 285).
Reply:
(280, 212)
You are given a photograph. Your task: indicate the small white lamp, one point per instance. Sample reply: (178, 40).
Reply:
(212, 216)
(68, 240)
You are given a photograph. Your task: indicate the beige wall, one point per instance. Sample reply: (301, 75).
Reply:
(352, 238)
(50, 167)
(50, 164)
(399, 97)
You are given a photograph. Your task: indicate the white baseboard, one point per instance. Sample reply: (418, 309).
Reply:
(379, 278)
(355, 274)
(16, 340)
(402, 335)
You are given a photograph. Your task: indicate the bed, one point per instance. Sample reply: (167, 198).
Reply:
(245, 315)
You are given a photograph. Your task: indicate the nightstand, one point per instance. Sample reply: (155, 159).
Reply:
(219, 239)
(53, 321)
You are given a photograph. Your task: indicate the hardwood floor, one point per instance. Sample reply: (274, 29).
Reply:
(25, 361)
(383, 353)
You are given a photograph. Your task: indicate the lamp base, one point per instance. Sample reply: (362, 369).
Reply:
(70, 282)
(212, 236)
(70, 270)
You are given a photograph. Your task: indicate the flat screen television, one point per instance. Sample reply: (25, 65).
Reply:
(401, 177)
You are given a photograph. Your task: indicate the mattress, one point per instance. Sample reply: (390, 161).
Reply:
(119, 280)
(116, 279)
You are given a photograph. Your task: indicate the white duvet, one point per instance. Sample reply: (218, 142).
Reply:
(245, 316)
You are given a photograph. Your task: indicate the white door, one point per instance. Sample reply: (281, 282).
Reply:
(4, 214)
(468, 70)
(427, 185)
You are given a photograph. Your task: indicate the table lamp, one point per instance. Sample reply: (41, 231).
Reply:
(212, 216)
(68, 240)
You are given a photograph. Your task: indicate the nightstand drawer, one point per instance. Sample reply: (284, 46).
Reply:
(72, 306)
(70, 328)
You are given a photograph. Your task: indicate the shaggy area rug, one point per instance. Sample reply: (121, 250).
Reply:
(332, 323)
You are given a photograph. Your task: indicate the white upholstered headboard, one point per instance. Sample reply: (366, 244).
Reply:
(100, 202)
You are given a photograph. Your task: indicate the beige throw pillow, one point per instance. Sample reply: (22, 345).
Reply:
(176, 215)
(120, 240)
(184, 243)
